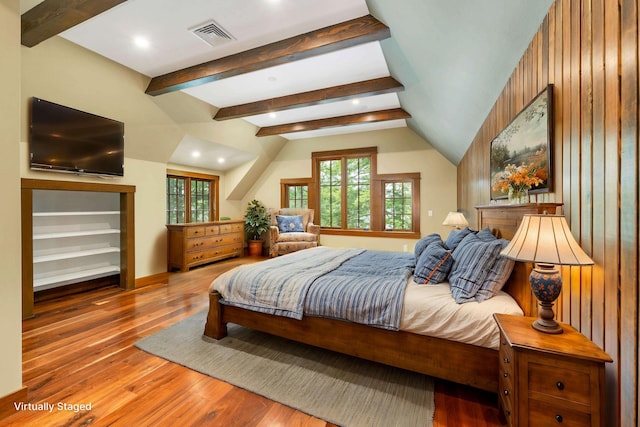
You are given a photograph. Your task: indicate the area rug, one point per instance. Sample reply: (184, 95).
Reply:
(340, 389)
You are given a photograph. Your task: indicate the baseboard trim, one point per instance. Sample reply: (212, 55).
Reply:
(154, 279)
(7, 406)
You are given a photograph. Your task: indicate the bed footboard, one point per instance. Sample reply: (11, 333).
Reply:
(215, 328)
(461, 363)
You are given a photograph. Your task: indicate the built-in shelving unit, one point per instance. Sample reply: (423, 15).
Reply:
(73, 233)
(72, 246)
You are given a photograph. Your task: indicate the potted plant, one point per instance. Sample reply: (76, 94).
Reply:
(256, 221)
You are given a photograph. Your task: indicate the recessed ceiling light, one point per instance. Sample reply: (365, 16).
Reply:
(141, 42)
(273, 115)
(195, 154)
(355, 101)
(220, 159)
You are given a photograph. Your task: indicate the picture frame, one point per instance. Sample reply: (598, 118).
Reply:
(526, 142)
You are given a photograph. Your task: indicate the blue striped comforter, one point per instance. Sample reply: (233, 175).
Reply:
(358, 285)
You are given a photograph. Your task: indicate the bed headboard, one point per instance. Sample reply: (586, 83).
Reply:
(503, 220)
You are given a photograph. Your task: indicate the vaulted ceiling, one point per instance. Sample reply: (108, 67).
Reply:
(305, 68)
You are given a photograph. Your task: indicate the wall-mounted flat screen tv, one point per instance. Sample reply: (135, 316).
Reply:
(64, 139)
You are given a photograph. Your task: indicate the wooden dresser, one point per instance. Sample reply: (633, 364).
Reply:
(549, 380)
(195, 244)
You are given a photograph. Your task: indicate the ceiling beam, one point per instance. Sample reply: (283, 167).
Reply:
(314, 97)
(51, 17)
(346, 34)
(352, 119)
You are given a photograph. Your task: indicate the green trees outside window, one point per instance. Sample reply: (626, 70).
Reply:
(398, 200)
(298, 196)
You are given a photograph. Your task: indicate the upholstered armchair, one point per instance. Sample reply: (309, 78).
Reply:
(291, 230)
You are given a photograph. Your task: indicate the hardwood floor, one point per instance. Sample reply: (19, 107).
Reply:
(79, 361)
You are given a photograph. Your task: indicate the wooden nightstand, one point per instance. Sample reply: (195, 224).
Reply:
(549, 380)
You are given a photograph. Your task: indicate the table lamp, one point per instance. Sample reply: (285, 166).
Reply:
(546, 240)
(455, 220)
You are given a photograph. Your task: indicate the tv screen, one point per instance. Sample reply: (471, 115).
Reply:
(68, 140)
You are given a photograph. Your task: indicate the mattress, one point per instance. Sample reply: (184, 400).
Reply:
(431, 310)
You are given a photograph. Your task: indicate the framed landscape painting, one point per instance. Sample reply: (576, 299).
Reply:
(524, 147)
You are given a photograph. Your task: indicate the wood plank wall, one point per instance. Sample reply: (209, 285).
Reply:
(589, 51)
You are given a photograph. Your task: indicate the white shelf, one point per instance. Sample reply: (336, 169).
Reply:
(81, 213)
(74, 277)
(75, 254)
(78, 233)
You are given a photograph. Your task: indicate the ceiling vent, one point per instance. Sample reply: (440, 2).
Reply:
(212, 33)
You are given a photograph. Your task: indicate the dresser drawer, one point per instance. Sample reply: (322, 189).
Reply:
(201, 243)
(563, 382)
(194, 257)
(224, 250)
(194, 232)
(212, 230)
(545, 414)
(231, 228)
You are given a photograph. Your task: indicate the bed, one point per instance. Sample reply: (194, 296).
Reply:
(455, 359)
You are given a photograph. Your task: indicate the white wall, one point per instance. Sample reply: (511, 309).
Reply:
(10, 285)
(399, 150)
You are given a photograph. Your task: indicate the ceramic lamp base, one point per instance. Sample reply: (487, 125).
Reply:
(545, 323)
(546, 284)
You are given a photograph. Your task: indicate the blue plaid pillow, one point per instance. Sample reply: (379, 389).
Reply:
(290, 224)
(473, 259)
(434, 264)
(497, 275)
(422, 244)
(456, 236)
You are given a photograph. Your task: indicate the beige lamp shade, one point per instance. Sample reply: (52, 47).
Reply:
(545, 239)
(455, 219)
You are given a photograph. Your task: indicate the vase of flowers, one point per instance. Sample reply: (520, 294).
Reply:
(518, 196)
(516, 181)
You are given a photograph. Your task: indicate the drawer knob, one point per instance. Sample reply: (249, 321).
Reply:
(559, 418)
(506, 360)
(508, 412)
(560, 385)
(506, 392)
(506, 374)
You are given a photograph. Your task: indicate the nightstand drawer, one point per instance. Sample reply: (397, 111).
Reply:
(556, 380)
(507, 410)
(506, 359)
(544, 414)
(506, 393)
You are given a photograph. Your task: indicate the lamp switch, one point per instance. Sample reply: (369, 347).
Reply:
(429, 213)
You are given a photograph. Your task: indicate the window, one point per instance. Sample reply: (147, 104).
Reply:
(295, 193)
(175, 200)
(398, 201)
(200, 200)
(353, 199)
(191, 197)
(330, 193)
(298, 196)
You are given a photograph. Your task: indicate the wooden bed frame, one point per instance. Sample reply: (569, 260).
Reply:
(450, 360)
